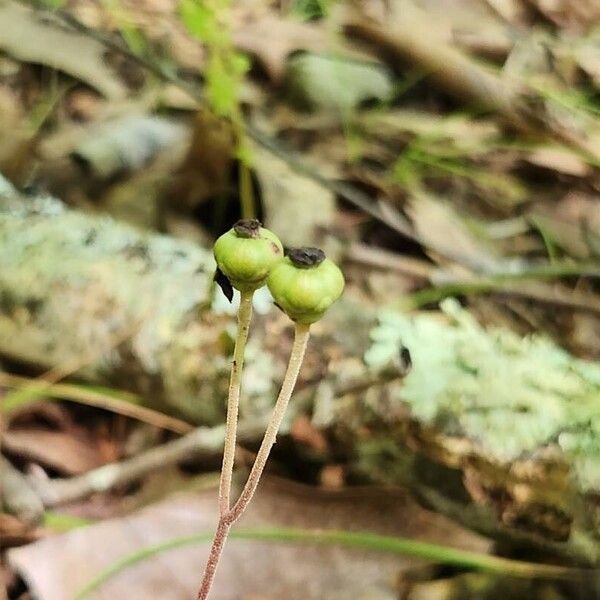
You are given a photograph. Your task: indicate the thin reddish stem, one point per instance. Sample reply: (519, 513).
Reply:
(300, 341)
(230, 516)
(213, 558)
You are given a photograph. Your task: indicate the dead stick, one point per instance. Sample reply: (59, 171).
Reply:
(17, 495)
(203, 441)
(409, 35)
(200, 442)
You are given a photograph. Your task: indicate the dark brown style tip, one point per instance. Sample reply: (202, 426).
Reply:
(247, 228)
(306, 257)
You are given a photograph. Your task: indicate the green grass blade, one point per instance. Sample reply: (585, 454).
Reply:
(360, 540)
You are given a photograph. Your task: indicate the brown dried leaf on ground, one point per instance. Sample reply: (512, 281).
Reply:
(69, 452)
(57, 567)
(271, 39)
(511, 11)
(295, 206)
(157, 21)
(444, 232)
(28, 37)
(573, 224)
(587, 54)
(560, 160)
(569, 14)
(469, 134)
(584, 335)
(473, 24)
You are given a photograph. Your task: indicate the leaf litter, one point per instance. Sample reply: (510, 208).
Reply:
(448, 168)
(59, 566)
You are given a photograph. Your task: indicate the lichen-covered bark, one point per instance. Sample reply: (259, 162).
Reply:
(496, 431)
(119, 306)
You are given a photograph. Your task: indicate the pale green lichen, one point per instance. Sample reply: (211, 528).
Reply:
(509, 395)
(86, 290)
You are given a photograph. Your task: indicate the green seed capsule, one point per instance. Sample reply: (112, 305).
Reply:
(305, 284)
(247, 253)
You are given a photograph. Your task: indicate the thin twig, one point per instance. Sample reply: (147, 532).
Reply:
(91, 397)
(203, 441)
(411, 35)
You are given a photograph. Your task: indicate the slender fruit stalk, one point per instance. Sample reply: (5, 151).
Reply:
(297, 356)
(245, 256)
(233, 402)
(304, 285)
(228, 518)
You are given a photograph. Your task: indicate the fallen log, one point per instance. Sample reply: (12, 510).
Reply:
(493, 430)
(85, 294)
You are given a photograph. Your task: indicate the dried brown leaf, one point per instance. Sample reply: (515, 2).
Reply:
(29, 37)
(444, 231)
(573, 223)
(562, 160)
(65, 451)
(587, 54)
(57, 567)
(272, 39)
(295, 205)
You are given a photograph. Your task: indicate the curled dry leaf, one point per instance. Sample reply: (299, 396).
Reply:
(573, 224)
(445, 232)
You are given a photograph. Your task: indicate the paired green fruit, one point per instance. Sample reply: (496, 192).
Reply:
(305, 284)
(247, 253)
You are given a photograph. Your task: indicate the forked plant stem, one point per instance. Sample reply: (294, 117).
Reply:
(301, 336)
(227, 519)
